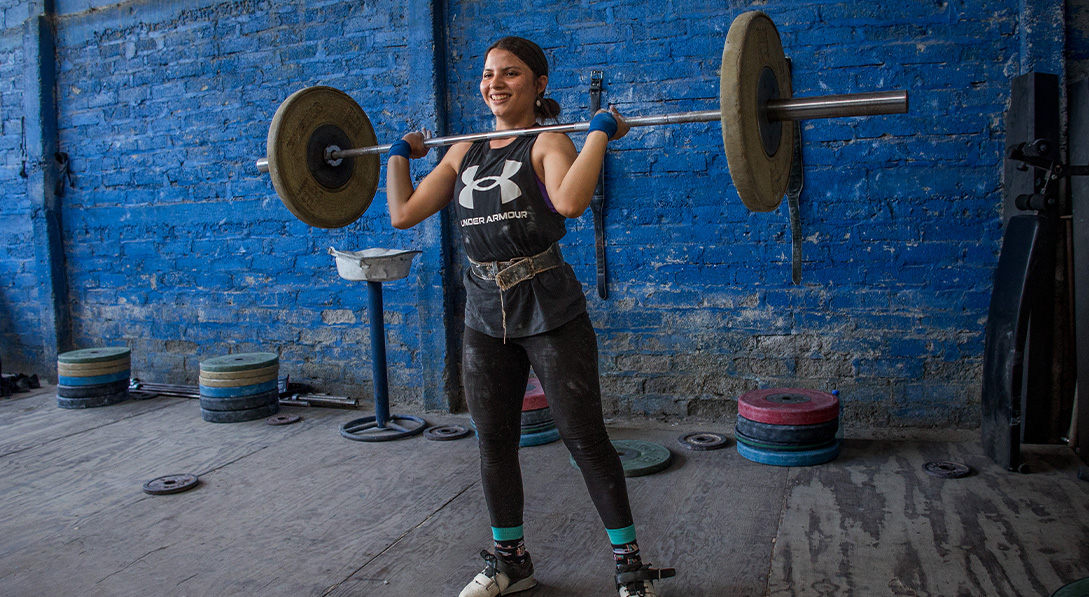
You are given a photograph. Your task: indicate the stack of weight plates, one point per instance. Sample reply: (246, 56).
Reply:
(538, 426)
(93, 377)
(788, 426)
(239, 387)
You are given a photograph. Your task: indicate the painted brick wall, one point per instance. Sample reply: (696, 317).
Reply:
(177, 247)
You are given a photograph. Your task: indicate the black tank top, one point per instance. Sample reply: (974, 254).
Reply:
(503, 214)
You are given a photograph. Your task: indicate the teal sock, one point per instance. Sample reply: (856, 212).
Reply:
(625, 547)
(510, 544)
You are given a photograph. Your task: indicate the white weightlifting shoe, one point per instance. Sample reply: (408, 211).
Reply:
(637, 582)
(500, 578)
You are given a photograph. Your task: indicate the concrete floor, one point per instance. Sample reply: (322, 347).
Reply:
(299, 510)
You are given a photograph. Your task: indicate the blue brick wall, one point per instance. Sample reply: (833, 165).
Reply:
(177, 247)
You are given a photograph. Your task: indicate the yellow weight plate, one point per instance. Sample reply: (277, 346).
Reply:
(319, 194)
(237, 382)
(753, 60)
(93, 369)
(271, 370)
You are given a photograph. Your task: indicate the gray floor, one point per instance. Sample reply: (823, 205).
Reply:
(298, 510)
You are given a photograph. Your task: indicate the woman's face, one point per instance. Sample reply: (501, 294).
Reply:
(509, 88)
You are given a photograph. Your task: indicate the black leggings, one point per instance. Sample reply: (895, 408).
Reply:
(565, 360)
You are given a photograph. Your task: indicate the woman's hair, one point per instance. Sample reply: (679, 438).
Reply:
(533, 56)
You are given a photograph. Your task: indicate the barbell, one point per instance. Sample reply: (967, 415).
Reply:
(322, 153)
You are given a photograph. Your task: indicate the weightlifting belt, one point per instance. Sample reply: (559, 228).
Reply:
(508, 274)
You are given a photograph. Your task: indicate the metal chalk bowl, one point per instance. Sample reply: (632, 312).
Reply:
(376, 266)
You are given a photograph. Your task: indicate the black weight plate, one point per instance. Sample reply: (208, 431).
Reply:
(93, 401)
(947, 470)
(104, 389)
(538, 428)
(788, 434)
(535, 417)
(282, 419)
(171, 484)
(773, 447)
(446, 432)
(240, 402)
(238, 416)
(702, 441)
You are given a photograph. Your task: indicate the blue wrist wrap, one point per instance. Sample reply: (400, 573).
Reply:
(603, 122)
(401, 148)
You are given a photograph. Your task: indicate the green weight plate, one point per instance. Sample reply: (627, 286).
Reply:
(246, 361)
(1078, 588)
(755, 69)
(640, 457)
(94, 355)
(320, 194)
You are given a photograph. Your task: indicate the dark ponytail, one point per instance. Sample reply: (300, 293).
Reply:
(545, 108)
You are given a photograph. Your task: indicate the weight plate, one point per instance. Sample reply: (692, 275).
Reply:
(283, 419)
(538, 439)
(270, 371)
(238, 382)
(247, 361)
(536, 417)
(446, 432)
(317, 193)
(366, 429)
(95, 380)
(639, 457)
(234, 403)
(788, 406)
(755, 443)
(947, 470)
(171, 484)
(788, 434)
(92, 401)
(702, 441)
(528, 429)
(754, 69)
(92, 390)
(92, 369)
(797, 458)
(260, 388)
(534, 397)
(237, 416)
(94, 355)
(1078, 588)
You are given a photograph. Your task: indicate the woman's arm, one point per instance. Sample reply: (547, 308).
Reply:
(571, 176)
(409, 206)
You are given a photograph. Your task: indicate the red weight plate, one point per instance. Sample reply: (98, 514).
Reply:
(535, 397)
(788, 406)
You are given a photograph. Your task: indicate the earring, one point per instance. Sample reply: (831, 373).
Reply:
(538, 101)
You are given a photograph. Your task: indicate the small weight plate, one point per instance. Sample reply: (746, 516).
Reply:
(260, 388)
(773, 447)
(639, 457)
(94, 355)
(93, 369)
(246, 361)
(240, 402)
(1078, 588)
(702, 441)
(92, 401)
(171, 484)
(754, 69)
(797, 458)
(324, 197)
(538, 439)
(788, 406)
(269, 372)
(238, 382)
(947, 470)
(92, 390)
(446, 432)
(788, 434)
(536, 417)
(534, 398)
(238, 416)
(282, 419)
(95, 380)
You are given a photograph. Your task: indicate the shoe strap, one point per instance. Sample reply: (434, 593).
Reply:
(644, 573)
(492, 564)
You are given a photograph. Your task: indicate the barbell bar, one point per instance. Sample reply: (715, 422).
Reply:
(322, 154)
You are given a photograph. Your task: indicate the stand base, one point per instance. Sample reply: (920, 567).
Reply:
(366, 429)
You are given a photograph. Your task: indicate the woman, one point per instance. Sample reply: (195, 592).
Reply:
(524, 306)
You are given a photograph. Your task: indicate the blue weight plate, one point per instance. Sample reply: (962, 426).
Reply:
(798, 435)
(537, 439)
(97, 380)
(238, 416)
(92, 391)
(251, 390)
(799, 458)
(240, 402)
(92, 401)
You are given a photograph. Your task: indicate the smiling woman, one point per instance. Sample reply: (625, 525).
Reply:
(524, 307)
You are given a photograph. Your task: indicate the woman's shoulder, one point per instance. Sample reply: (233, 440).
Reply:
(547, 143)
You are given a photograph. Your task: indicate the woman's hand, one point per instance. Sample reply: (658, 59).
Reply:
(415, 140)
(622, 127)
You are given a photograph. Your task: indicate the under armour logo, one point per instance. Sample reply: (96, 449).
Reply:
(508, 190)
